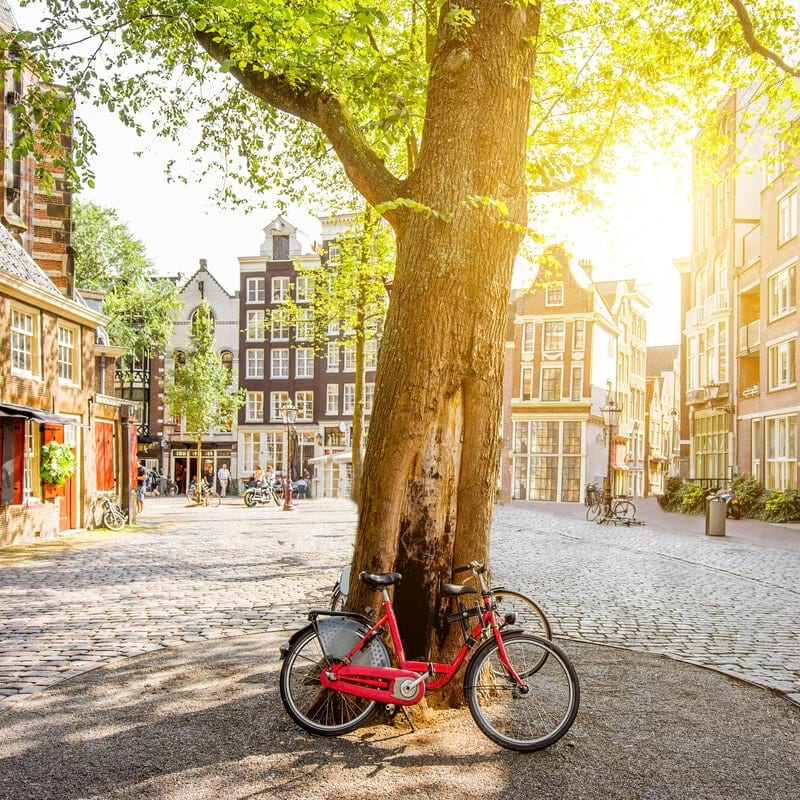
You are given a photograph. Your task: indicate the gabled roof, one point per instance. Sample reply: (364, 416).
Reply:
(661, 358)
(7, 21)
(15, 260)
(203, 268)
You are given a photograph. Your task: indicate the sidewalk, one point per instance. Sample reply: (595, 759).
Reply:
(205, 721)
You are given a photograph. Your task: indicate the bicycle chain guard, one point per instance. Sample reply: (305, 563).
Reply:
(384, 684)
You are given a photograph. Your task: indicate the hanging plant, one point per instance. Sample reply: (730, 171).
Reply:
(58, 463)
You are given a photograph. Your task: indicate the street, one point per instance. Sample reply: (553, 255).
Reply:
(187, 575)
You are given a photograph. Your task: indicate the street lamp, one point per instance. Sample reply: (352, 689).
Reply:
(611, 414)
(289, 415)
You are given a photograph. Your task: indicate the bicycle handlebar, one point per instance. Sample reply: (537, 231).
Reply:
(473, 566)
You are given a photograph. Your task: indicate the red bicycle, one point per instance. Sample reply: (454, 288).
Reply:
(522, 690)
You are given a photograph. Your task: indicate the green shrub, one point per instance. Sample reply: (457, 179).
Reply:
(782, 506)
(749, 494)
(693, 499)
(671, 499)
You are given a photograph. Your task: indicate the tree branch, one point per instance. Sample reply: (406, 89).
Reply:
(364, 168)
(750, 37)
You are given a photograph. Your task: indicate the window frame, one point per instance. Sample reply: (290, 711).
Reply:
(553, 338)
(307, 361)
(75, 364)
(783, 281)
(280, 288)
(786, 208)
(254, 406)
(551, 368)
(255, 287)
(557, 286)
(251, 363)
(328, 396)
(279, 356)
(304, 403)
(787, 346)
(277, 400)
(254, 330)
(33, 336)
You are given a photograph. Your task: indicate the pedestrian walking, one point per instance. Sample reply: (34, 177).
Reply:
(141, 483)
(223, 476)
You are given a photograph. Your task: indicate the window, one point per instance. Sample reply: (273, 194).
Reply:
(68, 355)
(579, 335)
(31, 485)
(553, 336)
(333, 253)
(24, 342)
(196, 316)
(349, 398)
(370, 353)
(277, 400)
(254, 407)
(280, 327)
(280, 289)
(554, 294)
(279, 364)
(756, 449)
(305, 325)
(333, 357)
(304, 362)
(332, 399)
(333, 327)
(305, 405)
(700, 287)
(721, 272)
(304, 288)
(251, 447)
(782, 364)
(782, 293)
(528, 336)
(526, 384)
(711, 444)
(255, 364)
(280, 247)
(781, 441)
(369, 393)
(255, 290)
(576, 390)
(255, 326)
(226, 357)
(787, 217)
(179, 357)
(551, 384)
(349, 364)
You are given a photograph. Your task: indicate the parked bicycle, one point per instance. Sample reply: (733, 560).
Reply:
(208, 497)
(607, 507)
(108, 510)
(522, 690)
(529, 614)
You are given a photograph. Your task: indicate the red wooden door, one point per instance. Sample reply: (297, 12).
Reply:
(55, 433)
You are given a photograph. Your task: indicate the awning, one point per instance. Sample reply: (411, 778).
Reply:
(27, 412)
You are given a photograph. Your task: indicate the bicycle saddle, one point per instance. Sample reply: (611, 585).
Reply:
(454, 590)
(378, 581)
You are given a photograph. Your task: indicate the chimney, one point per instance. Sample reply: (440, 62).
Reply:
(203, 264)
(586, 265)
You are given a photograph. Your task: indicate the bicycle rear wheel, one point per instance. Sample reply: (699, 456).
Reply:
(113, 520)
(529, 615)
(624, 509)
(525, 719)
(318, 710)
(213, 499)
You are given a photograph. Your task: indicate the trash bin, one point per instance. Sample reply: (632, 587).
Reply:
(716, 509)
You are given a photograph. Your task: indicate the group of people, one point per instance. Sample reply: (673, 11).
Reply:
(301, 487)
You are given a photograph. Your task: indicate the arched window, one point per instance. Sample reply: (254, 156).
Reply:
(193, 318)
(226, 357)
(721, 273)
(179, 357)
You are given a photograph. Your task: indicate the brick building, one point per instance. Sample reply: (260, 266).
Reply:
(739, 310)
(277, 361)
(560, 370)
(55, 359)
(662, 417)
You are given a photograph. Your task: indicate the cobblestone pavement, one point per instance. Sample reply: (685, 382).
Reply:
(207, 573)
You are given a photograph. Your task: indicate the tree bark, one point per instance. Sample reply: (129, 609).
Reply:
(430, 466)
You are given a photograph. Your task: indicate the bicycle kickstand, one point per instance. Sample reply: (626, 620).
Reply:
(408, 719)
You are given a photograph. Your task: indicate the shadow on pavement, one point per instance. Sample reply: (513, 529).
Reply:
(206, 721)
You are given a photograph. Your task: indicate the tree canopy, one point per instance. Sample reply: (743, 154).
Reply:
(108, 257)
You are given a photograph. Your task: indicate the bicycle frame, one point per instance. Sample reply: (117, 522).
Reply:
(407, 685)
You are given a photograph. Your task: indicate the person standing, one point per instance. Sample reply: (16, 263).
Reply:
(180, 477)
(223, 476)
(141, 483)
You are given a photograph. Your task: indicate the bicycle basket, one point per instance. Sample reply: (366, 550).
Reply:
(338, 636)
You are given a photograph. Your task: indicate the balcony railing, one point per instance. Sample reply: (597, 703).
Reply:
(715, 304)
(694, 316)
(751, 391)
(750, 337)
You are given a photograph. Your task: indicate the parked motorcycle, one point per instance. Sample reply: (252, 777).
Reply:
(258, 493)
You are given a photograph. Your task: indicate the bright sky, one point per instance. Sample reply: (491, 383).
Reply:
(644, 225)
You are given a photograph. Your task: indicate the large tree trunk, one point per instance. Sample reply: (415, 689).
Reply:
(430, 466)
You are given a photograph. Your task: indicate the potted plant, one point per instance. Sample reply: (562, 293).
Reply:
(56, 465)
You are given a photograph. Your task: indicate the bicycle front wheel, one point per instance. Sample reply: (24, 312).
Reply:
(114, 521)
(214, 499)
(593, 512)
(529, 615)
(529, 718)
(313, 707)
(624, 509)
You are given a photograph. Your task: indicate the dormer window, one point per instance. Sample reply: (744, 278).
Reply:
(554, 294)
(280, 247)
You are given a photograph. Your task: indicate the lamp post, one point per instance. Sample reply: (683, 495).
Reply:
(712, 392)
(610, 414)
(289, 415)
